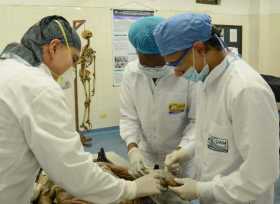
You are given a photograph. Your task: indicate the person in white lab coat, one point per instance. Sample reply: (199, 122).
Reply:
(237, 133)
(36, 128)
(155, 106)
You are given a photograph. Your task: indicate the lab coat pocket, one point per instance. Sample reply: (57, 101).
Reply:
(219, 146)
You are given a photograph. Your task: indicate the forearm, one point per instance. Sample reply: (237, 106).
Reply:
(129, 127)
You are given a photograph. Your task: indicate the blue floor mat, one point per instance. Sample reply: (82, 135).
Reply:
(109, 139)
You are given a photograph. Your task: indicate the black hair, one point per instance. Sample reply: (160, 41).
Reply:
(215, 41)
(151, 60)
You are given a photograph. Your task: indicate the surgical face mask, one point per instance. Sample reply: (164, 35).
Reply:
(154, 72)
(192, 75)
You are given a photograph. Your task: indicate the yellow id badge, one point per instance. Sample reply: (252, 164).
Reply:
(176, 108)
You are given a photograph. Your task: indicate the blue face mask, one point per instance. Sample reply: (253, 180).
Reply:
(193, 75)
(154, 72)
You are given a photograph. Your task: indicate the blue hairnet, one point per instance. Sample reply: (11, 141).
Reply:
(181, 31)
(43, 32)
(141, 34)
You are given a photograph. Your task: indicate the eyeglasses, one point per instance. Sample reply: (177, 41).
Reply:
(178, 61)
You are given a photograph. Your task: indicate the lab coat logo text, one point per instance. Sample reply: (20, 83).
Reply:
(218, 144)
(176, 108)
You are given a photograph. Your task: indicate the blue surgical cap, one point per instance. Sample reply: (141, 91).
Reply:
(181, 31)
(141, 34)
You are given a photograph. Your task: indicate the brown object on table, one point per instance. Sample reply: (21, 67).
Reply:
(47, 194)
(167, 179)
(46, 197)
(52, 194)
(62, 197)
(101, 156)
(105, 163)
(120, 171)
(138, 201)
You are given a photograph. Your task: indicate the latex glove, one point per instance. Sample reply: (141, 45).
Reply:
(148, 185)
(174, 169)
(188, 191)
(137, 167)
(172, 160)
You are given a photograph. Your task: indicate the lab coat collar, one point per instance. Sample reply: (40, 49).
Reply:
(218, 71)
(170, 72)
(44, 67)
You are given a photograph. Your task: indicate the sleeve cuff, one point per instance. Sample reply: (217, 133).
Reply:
(129, 191)
(205, 191)
(130, 140)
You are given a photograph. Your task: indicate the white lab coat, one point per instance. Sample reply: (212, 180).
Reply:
(36, 130)
(237, 135)
(147, 118)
